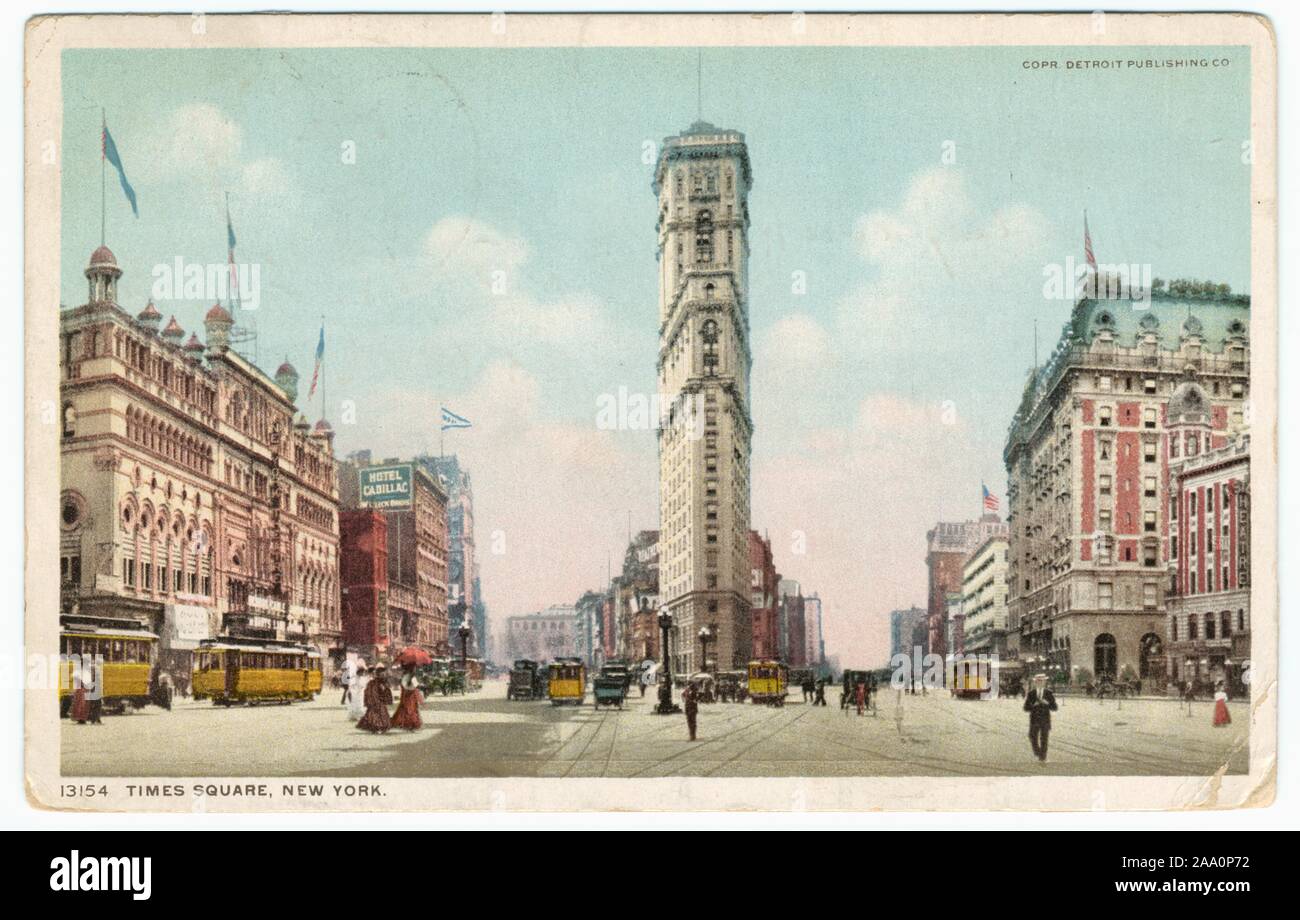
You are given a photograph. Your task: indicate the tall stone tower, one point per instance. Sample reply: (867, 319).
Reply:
(702, 181)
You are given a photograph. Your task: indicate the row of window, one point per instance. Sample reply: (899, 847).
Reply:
(1221, 622)
(155, 578)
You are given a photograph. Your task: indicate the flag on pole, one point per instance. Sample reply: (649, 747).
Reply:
(320, 354)
(990, 500)
(230, 248)
(452, 420)
(1087, 244)
(109, 150)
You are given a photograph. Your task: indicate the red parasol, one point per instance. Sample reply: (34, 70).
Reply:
(412, 656)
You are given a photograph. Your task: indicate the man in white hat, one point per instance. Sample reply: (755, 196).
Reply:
(1040, 703)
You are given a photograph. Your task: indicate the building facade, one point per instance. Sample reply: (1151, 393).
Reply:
(414, 507)
(814, 649)
(702, 182)
(948, 545)
(463, 582)
(194, 499)
(763, 598)
(984, 598)
(363, 555)
(1208, 599)
(905, 627)
(792, 636)
(1087, 459)
(544, 636)
(588, 613)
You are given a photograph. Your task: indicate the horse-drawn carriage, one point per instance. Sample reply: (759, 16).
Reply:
(732, 687)
(527, 681)
(439, 678)
(608, 691)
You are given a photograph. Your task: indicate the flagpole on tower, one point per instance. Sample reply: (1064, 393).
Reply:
(323, 404)
(103, 167)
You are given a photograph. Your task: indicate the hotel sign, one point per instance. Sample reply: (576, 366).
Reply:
(385, 486)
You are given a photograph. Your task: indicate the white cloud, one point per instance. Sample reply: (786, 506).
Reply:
(794, 342)
(941, 280)
(201, 145)
(464, 247)
(497, 300)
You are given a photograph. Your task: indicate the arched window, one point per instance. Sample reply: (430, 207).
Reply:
(709, 334)
(1151, 657)
(69, 420)
(1104, 657)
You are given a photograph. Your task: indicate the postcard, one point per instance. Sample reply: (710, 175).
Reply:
(651, 412)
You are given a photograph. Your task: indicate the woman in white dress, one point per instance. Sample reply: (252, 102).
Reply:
(357, 700)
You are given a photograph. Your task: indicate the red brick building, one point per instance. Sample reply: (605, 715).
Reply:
(948, 545)
(1088, 469)
(363, 574)
(763, 586)
(1208, 623)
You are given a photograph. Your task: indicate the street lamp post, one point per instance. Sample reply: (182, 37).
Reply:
(705, 635)
(666, 705)
(464, 645)
(464, 632)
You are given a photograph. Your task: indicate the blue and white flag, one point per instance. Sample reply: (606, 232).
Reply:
(452, 420)
(110, 154)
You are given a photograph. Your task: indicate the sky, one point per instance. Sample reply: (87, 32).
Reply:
(475, 228)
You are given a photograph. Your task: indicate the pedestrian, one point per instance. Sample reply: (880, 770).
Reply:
(166, 690)
(691, 703)
(820, 699)
(357, 699)
(860, 695)
(80, 711)
(378, 698)
(1040, 704)
(408, 707)
(347, 676)
(1221, 716)
(643, 681)
(1189, 695)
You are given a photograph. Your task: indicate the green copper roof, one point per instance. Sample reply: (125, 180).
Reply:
(1215, 317)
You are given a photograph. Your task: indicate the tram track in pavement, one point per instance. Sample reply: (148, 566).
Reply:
(705, 745)
(767, 737)
(1151, 762)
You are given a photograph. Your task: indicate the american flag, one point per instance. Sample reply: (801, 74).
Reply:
(1087, 244)
(990, 500)
(320, 356)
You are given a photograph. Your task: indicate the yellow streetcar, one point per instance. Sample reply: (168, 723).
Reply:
(969, 677)
(767, 682)
(229, 671)
(568, 681)
(121, 651)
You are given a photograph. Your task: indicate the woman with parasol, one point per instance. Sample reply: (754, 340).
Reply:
(378, 696)
(408, 708)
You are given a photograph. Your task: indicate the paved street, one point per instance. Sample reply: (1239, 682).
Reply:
(485, 735)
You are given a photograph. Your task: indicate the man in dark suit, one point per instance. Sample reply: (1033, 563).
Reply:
(1040, 703)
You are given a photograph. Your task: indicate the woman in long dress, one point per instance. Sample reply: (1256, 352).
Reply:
(378, 697)
(357, 694)
(82, 711)
(1221, 716)
(408, 708)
